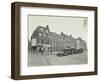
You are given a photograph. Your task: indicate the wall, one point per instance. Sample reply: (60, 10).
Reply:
(5, 40)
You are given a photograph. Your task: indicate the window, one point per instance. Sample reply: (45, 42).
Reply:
(59, 38)
(44, 35)
(41, 29)
(54, 42)
(44, 42)
(50, 36)
(47, 36)
(47, 31)
(40, 34)
(39, 41)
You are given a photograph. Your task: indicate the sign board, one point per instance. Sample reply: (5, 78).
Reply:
(34, 42)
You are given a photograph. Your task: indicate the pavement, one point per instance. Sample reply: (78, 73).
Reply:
(36, 59)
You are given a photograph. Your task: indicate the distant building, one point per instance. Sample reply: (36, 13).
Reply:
(51, 41)
(81, 44)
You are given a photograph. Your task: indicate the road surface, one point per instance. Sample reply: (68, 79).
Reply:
(47, 60)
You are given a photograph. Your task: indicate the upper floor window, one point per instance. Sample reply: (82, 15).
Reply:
(54, 42)
(44, 35)
(41, 29)
(47, 31)
(47, 36)
(50, 36)
(40, 34)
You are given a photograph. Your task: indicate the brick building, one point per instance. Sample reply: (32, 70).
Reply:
(52, 42)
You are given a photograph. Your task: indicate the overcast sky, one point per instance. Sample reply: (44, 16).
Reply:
(75, 26)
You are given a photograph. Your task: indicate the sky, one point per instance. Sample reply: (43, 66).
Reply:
(75, 26)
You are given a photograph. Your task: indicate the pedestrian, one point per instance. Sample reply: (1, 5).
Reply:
(42, 50)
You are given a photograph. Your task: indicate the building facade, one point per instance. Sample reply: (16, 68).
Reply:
(52, 42)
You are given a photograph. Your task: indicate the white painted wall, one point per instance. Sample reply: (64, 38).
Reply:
(5, 40)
